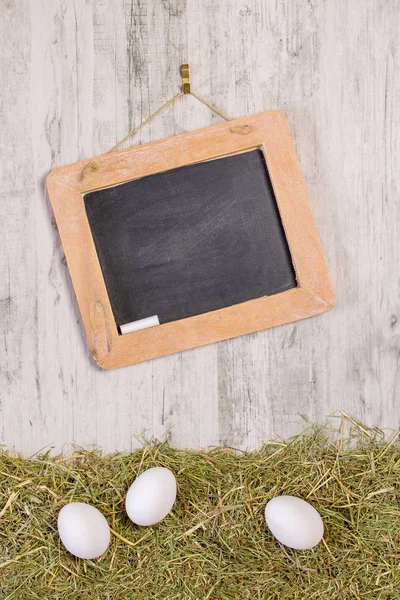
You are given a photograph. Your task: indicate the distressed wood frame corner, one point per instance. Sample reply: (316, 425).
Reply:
(267, 131)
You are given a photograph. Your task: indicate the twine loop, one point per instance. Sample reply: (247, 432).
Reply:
(186, 91)
(93, 165)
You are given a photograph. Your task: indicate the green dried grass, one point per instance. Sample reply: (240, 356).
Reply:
(214, 544)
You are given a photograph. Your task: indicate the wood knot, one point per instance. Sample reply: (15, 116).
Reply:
(241, 129)
(91, 167)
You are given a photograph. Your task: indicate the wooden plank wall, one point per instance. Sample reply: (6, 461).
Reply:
(74, 78)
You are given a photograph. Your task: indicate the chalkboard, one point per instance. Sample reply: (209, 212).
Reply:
(190, 240)
(186, 232)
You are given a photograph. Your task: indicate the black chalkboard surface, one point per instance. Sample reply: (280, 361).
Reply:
(190, 240)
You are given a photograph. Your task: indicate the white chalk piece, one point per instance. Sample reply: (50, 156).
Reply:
(140, 324)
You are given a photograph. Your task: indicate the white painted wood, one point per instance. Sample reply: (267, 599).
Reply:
(75, 77)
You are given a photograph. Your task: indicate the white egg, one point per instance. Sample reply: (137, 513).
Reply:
(294, 522)
(151, 496)
(83, 530)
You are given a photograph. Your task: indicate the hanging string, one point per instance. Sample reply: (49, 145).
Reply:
(149, 119)
(185, 92)
(212, 107)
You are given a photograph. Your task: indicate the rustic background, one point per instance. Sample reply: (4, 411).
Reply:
(74, 77)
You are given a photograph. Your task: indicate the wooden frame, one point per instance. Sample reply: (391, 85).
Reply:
(268, 131)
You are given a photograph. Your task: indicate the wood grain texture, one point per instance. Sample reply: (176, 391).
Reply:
(75, 77)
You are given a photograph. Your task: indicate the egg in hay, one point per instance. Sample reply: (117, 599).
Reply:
(151, 496)
(83, 530)
(294, 522)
